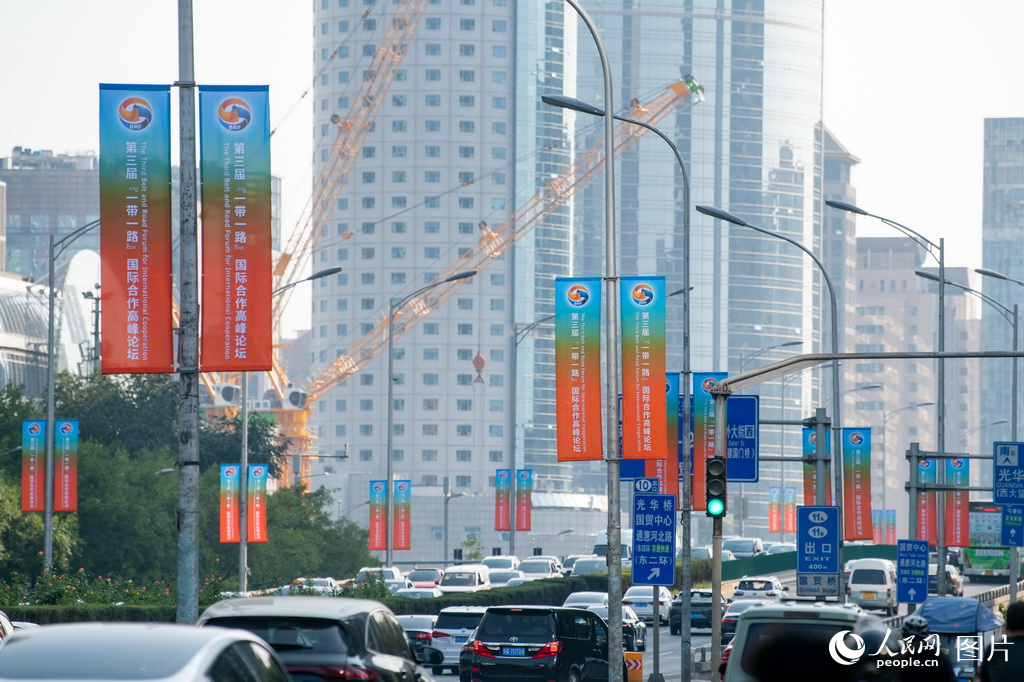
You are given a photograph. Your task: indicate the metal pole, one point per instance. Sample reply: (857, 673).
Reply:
(722, 427)
(1013, 427)
(447, 498)
(821, 424)
(243, 492)
(940, 471)
(388, 496)
(50, 435)
(513, 450)
(914, 457)
(188, 337)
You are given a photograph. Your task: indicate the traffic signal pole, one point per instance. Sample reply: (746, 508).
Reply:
(716, 547)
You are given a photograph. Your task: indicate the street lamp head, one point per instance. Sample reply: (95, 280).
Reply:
(926, 275)
(461, 275)
(990, 273)
(326, 272)
(721, 215)
(844, 206)
(572, 103)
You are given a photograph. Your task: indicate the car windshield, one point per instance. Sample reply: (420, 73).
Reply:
(423, 576)
(868, 576)
(466, 579)
(457, 621)
(535, 567)
(760, 635)
(738, 545)
(415, 593)
(589, 566)
(584, 598)
(530, 625)
(416, 622)
(142, 659)
(756, 585)
(498, 562)
(503, 576)
(321, 635)
(699, 596)
(738, 607)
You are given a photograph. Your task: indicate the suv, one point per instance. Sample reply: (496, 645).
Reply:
(700, 611)
(453, 627)
(743, 548)
(539, 642)
(759, 587)
(385, 573)
(315, 636)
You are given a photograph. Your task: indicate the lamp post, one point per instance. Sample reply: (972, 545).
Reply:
(448, 497)
(885, 441)
(395, 305)
(938, 252)
(51, 370)
(970, 432)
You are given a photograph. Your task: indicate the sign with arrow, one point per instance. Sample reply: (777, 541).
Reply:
(911, 571)
(1013, 525)
(654, 539)
(1008, 473)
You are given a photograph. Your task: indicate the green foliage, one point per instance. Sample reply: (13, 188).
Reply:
(472, 549)
(15, 407)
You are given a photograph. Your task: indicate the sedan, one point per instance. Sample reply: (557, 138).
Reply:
(732, 616)
(425, 577)
(501, 578)
(641, 599)
(138, 651)
(700, 611)
(419, 592)
(537, 568)
(759, 587)
(954, 580)
(634, 630)
(417, 630)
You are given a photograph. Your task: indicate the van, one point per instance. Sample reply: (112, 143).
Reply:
(872, 584)
(465, 578)
(601, 550)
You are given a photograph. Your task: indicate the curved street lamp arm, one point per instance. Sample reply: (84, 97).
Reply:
(1000, 308)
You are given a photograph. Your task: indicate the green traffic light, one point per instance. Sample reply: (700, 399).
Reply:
(716, 507)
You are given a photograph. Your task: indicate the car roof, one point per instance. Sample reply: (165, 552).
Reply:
(293, 606)
(789, 610)
(464, 609)
(760, 577)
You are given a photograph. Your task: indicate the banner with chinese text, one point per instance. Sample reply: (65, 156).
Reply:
(877, 530)
(927, 504)
(789, 510)
(135, 229)
(890, 526)
(642, 315)
(578, 368)
(236, 233)
(378, 516)
(229, 482)
(667, 470)
(703, 431)
(810, 476)
(524, 499)
(774, 509)
(857, 483)
(502, 498)
(65, 478)
(958, 473)
(403, 522)
(33, 465)
(256, 512)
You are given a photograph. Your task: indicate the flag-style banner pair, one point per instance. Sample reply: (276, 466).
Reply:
(781, 510)
(503, 499)
(230, 507)
(33, 465)
(402, 524)
(857, 520)
(883, 523)
(136, 233)
(957, 521)
(578, 368)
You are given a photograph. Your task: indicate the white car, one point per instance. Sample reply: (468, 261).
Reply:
(501, 562)
(583, 600)
(419, 592)
(590, 566)
(640, 598)
(537, 568)
(500, 578)
(396, 585)
(759, 587)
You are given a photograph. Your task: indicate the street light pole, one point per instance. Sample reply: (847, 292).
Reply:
(885, 444)
(395, 305)
(448, 496)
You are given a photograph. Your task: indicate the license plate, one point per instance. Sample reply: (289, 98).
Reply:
(642, 606)
(460, 640)
(989, 572)
(513, 651)
(868, 595)
(695, 616)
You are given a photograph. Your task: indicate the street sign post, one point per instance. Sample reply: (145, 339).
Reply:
(1008, 473)
(1013, 525)
(654, 539)
(817, 557)
(911, 571)
(646, 485)
(742, 441)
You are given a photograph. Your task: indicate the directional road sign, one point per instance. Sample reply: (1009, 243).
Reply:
(817, 551)
(1008, 474)
(742, 442)
(1013, 525)
(654, 539)
(911, 571)
(646, 485)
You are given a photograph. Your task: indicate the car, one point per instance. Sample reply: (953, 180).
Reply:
(515, 582)
(326, 587)
(872, 584)
(23, 625)
(425, 577)
(700, 610)
(453, 627)
(396, 585)
(704, 552)
(641, 599)
(500, 578)
(732, 616)
(320, 636)
(782, 548)
(634, 629)
(418, 630)
(385, 573)
(139, 651)
(744, 548)
(539, 643)
(569, 561)
(550, 557)
(954, 580)
(759, 587)
(419, 592)
(537, 568)
(582, 600)
(501, 562)
(465, 578)
(589, 566)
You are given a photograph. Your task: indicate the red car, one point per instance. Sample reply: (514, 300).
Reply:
(425, 577)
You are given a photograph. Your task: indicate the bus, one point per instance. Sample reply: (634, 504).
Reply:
(986, 557)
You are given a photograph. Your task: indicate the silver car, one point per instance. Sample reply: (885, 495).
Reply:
(453, 627)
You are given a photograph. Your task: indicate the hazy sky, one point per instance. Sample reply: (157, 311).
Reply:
(908, 84)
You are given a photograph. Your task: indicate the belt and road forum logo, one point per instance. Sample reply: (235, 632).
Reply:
(135, 113)
(234, 114)
(708, 384)
(578, 295)
(643, 294)
(856, 438)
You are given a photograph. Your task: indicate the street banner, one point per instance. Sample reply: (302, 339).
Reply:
(642, 312)
(890, 526)
(578, 368)
(877, 530)
(789, 510)
(667, 470)
(65, 456)
(857, 483)
(774, 509)
(33, 465)
(256, 512)
(135, 229)
(236, 232)
(927, 504)
(958, 473)
(229, 482)
(524, 499)
(810, 477)
(378, 516)
(703, 430)
(403, 521)
(502, 498)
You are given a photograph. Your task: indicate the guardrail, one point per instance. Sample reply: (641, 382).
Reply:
(702, 662)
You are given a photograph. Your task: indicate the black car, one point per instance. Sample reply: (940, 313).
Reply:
(634, 630)
(700, 611)
(418, 631)
(327, 638)
(731, 616)
(539, 644)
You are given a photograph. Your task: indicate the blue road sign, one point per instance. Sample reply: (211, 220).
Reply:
(817, 551)
(1013, 525)
(1008, 473)
(654, 539)
(911, 571)
(742, 443)
(646, 485)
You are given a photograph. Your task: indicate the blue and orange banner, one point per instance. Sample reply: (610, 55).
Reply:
(927, 504)
(857, 483)
(666, 469)
(33, 465)
(237, 279)
(578, 368)
(256, 512)
(135, 232)
(229, 509)
(703, 430)
(877, 529)
(403, 519)
(810, 478)
(378, 515)
(524, 499)
(774, 509)
(789, 510)
(65, 455)
(642, 313)
(958, 473)
(502, 498)
(890, 526)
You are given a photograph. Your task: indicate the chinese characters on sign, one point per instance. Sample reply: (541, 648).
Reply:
(578, 368)
(818, 539)
(654, 539)
(642, 302)
(1008, 474)
(857, 483)
(911, 571)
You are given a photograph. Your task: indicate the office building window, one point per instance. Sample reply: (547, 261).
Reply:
(432, 151)
(365, 455)
(429, 455)
(398, 278)
(466, 202)
(464, 404)
(431, 328)
(467, 50)
(430, 429)
(464, 379)
(432, 252)
(432, 126)
(464, 329)
(430, 404)
(467, 24)
(467, 126)
(339, 430)
(431, 354)
(467, 75)
(432, 100)
(367, 278)
(431, 379)
(496, 455)
(496, 405)
(431, 227)
(366, 429)
(495, 430)
(466, 152)
(433, 49)
(497, 381)
(467, 101)
(366, 304)
(432, 176)
(463, 455)
(433, 74)
(465, 304)
(365, 379)
(464, 429)
(465, 482)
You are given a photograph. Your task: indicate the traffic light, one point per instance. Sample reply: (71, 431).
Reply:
(714, 486)
(457, 553)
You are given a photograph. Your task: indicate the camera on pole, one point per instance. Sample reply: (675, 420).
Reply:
(714, 486)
